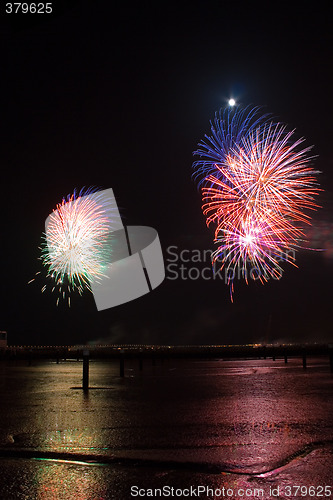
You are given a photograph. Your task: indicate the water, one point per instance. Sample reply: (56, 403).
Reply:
(242, 425)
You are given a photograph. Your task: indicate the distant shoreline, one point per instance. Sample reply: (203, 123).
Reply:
(145, 351)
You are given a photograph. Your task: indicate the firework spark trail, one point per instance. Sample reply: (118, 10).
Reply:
(76, 245)
(256, 187)
(228, 128)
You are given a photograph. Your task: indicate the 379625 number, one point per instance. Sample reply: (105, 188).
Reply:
(308, 491)
(29, 8)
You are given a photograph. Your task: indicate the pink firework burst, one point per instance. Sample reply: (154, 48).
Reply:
(258, 196)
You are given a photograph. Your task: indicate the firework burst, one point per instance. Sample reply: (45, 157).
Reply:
(76, 245)
(257, 186)
(228, 128)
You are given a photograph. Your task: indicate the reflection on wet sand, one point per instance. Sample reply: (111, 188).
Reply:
(259, 421)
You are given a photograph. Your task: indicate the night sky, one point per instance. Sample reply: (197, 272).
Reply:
(118, 94)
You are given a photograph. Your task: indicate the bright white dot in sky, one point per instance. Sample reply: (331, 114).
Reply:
(232, 102)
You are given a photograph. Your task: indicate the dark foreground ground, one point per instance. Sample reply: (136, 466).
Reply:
(253, 428)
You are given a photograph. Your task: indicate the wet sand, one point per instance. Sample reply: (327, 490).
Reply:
(234, 424)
